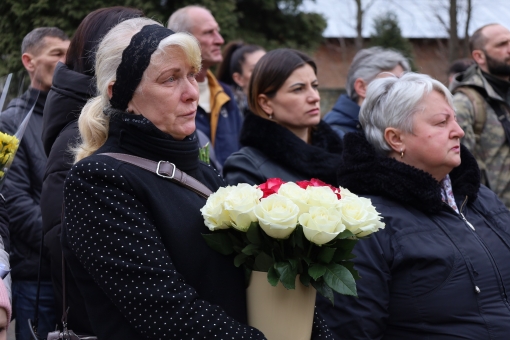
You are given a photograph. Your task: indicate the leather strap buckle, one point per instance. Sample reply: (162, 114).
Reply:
(157, 167)
(161, 174)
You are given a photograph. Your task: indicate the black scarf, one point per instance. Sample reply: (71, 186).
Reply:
(365, 172)
(320, 159)
(140, 137)
(502, 87)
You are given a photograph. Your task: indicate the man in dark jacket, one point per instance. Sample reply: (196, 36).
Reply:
(218, 116)
(41, 50)
(366, 66)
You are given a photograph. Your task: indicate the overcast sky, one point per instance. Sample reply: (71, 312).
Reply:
(417, 18)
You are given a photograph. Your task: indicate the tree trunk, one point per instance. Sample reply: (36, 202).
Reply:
(467, 52)
(359, 26)
(343, 49)
(454, 38)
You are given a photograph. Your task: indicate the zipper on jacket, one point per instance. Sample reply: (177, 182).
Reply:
(462, 215)
(471, 270)
(467, 222)
(489, 254)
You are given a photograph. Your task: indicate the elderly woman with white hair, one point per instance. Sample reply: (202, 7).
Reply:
(439, 270)
(132, 230)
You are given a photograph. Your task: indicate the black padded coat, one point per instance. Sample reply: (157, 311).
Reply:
(133, 242)
(271, 150)
(431, 273)
(68, 94)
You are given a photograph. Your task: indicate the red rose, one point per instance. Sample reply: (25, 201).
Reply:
(336, 191)
(303, 184)
(314, 182)
(271, 186)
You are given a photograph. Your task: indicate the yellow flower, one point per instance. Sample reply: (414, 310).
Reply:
(6, 157)
(6, 138)
(9, 145)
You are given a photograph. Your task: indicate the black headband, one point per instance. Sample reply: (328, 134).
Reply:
(135, 60)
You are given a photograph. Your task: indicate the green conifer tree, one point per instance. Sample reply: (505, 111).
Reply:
(387, 34)
(270, 23)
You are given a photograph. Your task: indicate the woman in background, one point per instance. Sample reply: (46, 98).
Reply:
(439, 269)
(72, 86)
(284, 137)
(239, 59)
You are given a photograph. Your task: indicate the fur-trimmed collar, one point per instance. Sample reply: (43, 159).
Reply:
(320, 159)
(365, 172)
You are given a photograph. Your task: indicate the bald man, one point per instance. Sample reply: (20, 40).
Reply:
(217, 115)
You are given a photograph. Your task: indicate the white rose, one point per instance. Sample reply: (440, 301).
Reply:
(215, 216)
(239, 204)
(297, 194)
(277, 216)
(321, 225)
(359, 215)
(346, 193)
(322, 197)
(374, 222)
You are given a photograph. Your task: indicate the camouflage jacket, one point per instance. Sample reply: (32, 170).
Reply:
(490, 148)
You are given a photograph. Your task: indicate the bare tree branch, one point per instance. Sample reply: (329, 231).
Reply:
(360, 12)
(369, 5)
(469, 9)
(454, 37)
(442, 22)
(343, 49)
(359, 25)
(439, 11)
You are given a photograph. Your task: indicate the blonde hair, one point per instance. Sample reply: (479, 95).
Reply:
(93, 123)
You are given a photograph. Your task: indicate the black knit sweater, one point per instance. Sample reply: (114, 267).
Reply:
(133, 241)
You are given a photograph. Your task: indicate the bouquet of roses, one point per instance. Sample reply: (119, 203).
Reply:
(306, 228)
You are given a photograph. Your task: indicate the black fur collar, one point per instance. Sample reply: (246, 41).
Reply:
(365, 172)
(320, 159)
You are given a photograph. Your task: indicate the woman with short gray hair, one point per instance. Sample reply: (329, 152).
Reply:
(439, 268)
(367, 65)
(394, 103)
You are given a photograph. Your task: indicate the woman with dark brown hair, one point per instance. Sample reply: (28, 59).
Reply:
(72, 86)
(284, 137)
